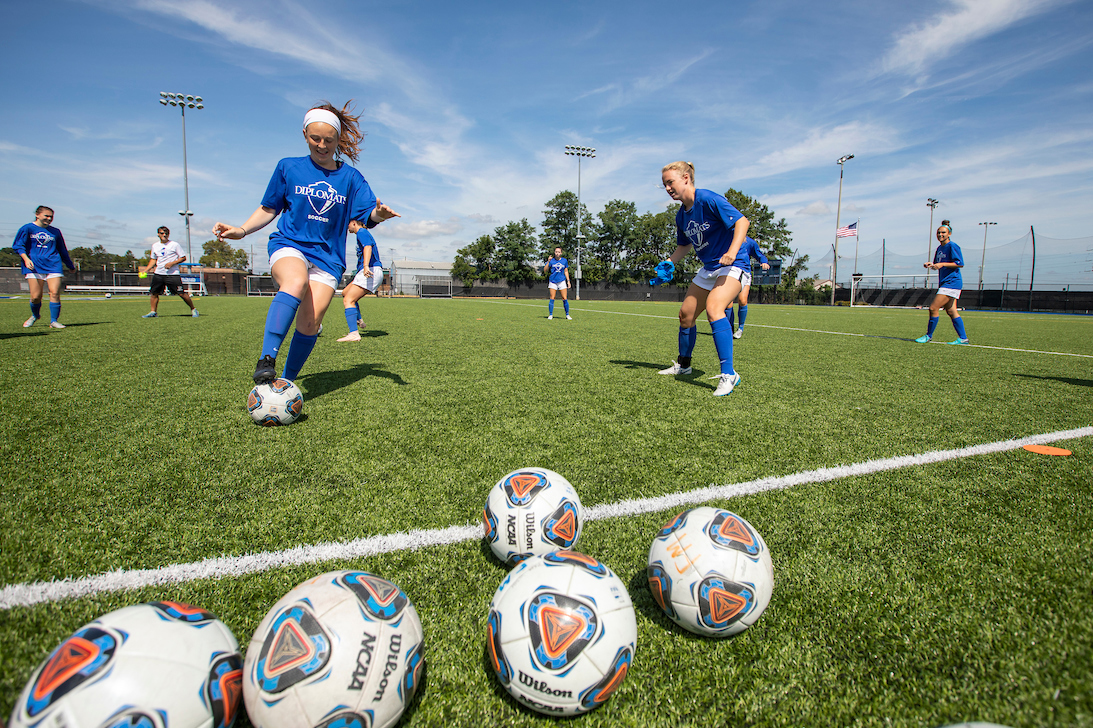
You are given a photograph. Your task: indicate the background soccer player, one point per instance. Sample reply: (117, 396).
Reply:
(368, 278)
(750, 249)
(42, 248)
(165, 257)
(715, 230)
(948, 260)
(558, 270)
(316, 197)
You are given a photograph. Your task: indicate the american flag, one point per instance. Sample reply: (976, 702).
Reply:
(850, 231)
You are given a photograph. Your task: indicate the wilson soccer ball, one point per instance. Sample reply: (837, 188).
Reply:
(531, 512)
(561, 633)
(151, 665)
(342, 650)
(278, 403)
(710, 571)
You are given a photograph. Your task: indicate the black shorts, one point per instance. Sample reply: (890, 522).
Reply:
(171, 283)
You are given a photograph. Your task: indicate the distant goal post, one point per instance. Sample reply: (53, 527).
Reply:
(434, 286)
(861, 285)
(261, 286)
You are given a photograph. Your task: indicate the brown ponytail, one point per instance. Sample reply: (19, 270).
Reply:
(349, 142)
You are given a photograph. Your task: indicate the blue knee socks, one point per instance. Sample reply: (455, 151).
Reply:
(565, 305)
(731, 314)
(958, 324)
(36, 309)
(722, 341)
(743, 314)
(351, 316)
(687, 338)
(281, 312)
(931, 326)
(54, 310)
(298, 352)
(550, 307)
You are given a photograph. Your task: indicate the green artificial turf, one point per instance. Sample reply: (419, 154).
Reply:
(915, 597)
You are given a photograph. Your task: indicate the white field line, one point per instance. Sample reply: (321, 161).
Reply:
(812, 331)
(28, 594)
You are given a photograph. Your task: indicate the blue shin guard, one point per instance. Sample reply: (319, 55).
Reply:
(298, 352)
(351, 315)
(54, 311)
(931, 326)
(278, 320)
(743, 314)
(722, 341)
(958, 324)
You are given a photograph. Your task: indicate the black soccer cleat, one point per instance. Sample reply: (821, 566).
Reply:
(266, 371)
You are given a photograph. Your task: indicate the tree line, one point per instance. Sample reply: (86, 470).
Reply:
(216, 253)
(620, 246)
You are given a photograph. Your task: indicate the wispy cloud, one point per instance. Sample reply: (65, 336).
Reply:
(916, 48)
(619, 94)
(423, 229)
(815, 209)
(824, 145)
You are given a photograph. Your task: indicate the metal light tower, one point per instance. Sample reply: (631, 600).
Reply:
(838, 214)
(930, 203)
(182, 101)
(983, 262)
(579, 152)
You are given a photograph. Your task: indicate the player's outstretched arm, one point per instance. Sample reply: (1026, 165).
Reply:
(259, 219)
(381, 212)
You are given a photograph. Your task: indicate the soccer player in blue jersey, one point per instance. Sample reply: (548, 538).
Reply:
(369, 277)
(948, 260)
(716, 231)
(316, 196)
(750, 249)
(558, 282)
(43, 250)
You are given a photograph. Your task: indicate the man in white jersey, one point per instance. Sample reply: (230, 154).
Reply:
(165, 257)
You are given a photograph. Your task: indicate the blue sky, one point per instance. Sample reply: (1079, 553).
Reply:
(982, 104)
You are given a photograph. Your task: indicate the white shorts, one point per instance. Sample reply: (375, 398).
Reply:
(558, 286)
(313, 273)
(707, 279)
(953, 293)
(372, 282)
(44, 276)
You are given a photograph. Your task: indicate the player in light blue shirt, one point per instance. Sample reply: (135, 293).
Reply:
(716, 231)
(557, 268)
(43, 250)
(948, 260)
(316, 196)
(367, 280)
(750, 249)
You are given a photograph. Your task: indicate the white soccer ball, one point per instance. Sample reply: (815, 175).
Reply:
(710, 571)
(108, 295)
(344, 649)
(278, 403)
(151, 665)
(561, 633)
(529, 512)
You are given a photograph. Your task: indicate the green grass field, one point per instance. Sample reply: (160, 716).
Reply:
(921, 596)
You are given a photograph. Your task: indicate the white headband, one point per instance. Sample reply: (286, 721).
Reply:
(327, 117)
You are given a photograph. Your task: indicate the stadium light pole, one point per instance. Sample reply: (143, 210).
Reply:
(930, 203)
(579, 152)
(184, 101)
(983, 262)
(838, 214)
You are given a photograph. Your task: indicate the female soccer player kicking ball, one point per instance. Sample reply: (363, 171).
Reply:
(750, 249)
(948, 260)
(716, 231)
(368, 278)
(316, 197)
(558, 270)
(42, 248)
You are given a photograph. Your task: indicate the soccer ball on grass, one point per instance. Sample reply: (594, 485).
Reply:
(278, 403)
(529, 512)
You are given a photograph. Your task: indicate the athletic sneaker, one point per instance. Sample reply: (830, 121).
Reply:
(320, 330)
(59, 325)
(550, 317)
(150, 314)
(351, 336)
(29, 322)
(959, 341)
(266, 371)
(922, 340)
(675, 370)
(726, 384)
(738, 333)
(568, 317)
(360, 323)
(195, 314)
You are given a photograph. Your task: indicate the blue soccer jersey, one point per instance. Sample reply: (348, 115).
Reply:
(365, 240)
(708, 226)
(316, 206)
(45, 246)
(557, 268)
(948, 277)
(748, 250)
